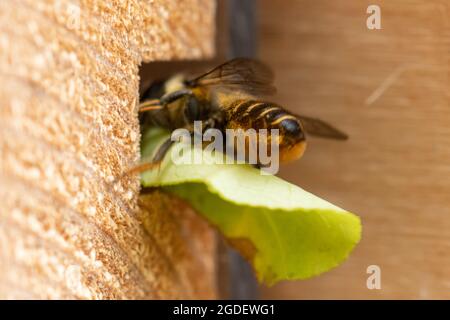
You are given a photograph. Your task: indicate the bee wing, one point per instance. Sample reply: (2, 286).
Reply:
(317, 127)
(243, 74)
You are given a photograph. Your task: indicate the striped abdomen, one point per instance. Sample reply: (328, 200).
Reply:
(245, 114)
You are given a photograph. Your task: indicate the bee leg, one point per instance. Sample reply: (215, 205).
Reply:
(155, 162)
(214, 122)
(162, 150)
(209, 124)
(145, 166)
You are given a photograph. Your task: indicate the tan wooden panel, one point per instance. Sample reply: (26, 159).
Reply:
(70, 227)
(389, 90)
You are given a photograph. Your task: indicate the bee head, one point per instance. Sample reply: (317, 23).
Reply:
(174, 83)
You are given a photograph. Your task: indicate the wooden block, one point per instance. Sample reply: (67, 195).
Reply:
(69, 128)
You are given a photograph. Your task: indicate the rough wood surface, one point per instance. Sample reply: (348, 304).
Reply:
(389, 89)
(68, 99)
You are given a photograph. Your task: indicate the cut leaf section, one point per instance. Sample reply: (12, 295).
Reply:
(284, 231)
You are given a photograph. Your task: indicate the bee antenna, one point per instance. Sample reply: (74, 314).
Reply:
(153, 104)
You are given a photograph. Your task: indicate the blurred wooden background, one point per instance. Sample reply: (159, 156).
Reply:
(389, 90)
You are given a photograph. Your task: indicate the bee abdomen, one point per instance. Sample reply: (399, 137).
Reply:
(265, 115)
(258, 115)
(251, 110)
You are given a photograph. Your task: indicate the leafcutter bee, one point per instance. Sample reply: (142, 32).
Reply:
(228, 97)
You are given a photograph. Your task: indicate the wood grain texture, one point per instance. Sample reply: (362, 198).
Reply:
(69, 128)
(389, 90)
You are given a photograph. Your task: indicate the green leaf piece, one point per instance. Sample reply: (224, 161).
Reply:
(285, 232)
